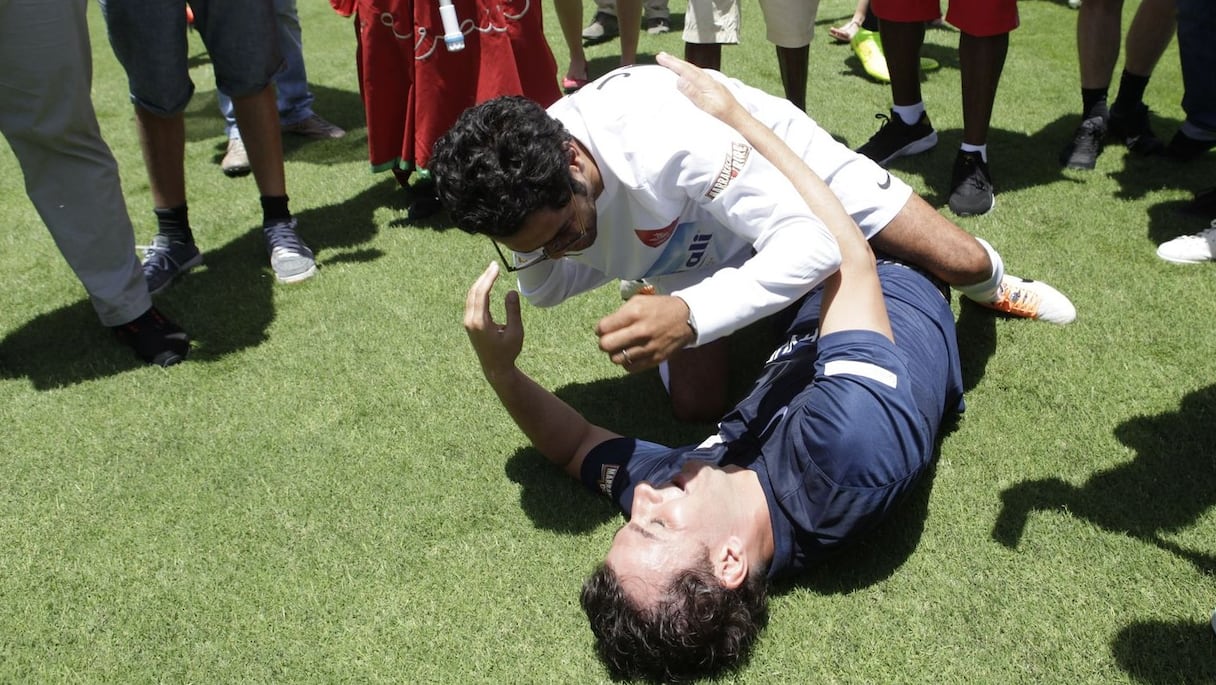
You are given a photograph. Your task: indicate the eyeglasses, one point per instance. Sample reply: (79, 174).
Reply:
(548, 250)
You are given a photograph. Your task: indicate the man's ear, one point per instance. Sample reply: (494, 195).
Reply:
(731, 565)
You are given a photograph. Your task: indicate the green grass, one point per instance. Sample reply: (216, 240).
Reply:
(327, 491)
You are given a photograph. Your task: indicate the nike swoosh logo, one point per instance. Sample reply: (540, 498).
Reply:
(887, 183)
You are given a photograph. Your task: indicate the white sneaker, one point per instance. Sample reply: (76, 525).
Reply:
(1190, 249)
(236, 160)
(1032, 300)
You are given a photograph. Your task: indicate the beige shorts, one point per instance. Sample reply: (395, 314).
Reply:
(788, 23)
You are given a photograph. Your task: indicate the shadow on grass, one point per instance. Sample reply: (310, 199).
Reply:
(226, 306)
(1160, 652)
(1165, 489)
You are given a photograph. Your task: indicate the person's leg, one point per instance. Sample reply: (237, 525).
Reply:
(708, 25)
(1149, 35)
(1099, 24)
(981, 61)
(790, 27)
(244, 68)
(793, 63)
(629, 18)
(697, 380)
(1197, 53)
(570, 18)
(293, 97)
(47, 115)
(908, 131)
(922, 236)
(901, 43)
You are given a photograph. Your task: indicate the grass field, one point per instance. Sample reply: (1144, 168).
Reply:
(327, 491)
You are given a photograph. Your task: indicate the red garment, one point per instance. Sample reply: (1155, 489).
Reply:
(414, 89)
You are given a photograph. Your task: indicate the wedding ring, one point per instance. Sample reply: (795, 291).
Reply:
(625, 357)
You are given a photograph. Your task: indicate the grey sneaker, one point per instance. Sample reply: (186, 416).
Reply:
(290, 258)
(236, 160)
(602, 27)
(315, 127)
(165, 260)
(657, 25)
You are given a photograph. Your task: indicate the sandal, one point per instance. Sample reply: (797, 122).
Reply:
(571, 85)
(844, 34)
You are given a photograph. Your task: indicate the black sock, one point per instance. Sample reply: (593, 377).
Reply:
(1131, 91)
(174, 224)
(274, 210)
(1093, 102)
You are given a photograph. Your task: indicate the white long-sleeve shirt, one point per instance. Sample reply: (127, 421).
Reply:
(688, 205)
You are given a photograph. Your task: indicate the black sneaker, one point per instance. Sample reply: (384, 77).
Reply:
(897, 139)
(1133, 130)
(1185, 148)
(165, 260)
(972, 192)
(154, 338)
(1203, 205)
(1086, 145)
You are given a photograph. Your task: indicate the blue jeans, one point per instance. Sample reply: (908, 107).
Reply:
(1197, 52)
(293, 97)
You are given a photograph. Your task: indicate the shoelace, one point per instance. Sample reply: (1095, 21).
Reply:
(157, 257)
(283, 236)
(975, 174)
(1019, 301)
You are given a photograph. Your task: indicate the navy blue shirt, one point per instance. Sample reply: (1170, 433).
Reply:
(837, 429)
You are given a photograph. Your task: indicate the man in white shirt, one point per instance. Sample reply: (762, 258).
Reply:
(593, 190)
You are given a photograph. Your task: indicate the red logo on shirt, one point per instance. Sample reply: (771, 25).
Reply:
(654, 237)
(730, 169)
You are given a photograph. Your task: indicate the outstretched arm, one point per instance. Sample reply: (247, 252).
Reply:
(554, 427)
(852, 297)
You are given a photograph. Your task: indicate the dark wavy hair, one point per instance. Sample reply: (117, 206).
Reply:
(501, 161)
(697, 628)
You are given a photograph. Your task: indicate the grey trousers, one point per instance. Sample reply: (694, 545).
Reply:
(46, 114)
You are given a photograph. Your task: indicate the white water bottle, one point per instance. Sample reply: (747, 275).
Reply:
(452, 37)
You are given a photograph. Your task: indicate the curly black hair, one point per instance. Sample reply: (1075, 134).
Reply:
(698, 628)
(501, 161)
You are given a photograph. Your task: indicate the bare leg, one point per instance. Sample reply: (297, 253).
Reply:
(920, 235)
(704, 55)
(1099, 24)
(982, 61)
(793, 64)
(570, 17)
(698, 382)
(901, 43)
(629, 18)
(1149, 35)
(163, 141)
(258, 118)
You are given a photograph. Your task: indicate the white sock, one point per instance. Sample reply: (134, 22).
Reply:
(910, 114)
(985, 291)
(982, 149)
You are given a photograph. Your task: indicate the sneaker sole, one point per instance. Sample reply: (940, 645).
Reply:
(190, 264)
(296, 278)
(914, 148)
(1182, 260)
(990, 208)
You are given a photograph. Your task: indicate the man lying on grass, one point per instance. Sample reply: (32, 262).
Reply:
(627, 180)
(839, 426)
